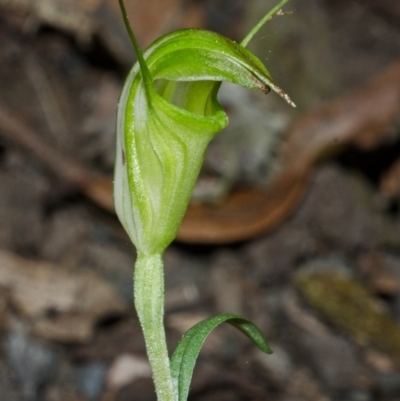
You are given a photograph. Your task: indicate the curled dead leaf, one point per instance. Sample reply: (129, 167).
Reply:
(244, 213)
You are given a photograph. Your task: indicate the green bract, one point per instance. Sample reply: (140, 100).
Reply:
(168, 113)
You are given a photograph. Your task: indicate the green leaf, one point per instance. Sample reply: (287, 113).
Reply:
(185, 354)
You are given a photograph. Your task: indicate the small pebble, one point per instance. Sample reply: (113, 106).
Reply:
(388, 384)
(91, 380)
(279, 364)
(357, 394)
(34, 365)
(126, 369)
(333, 358)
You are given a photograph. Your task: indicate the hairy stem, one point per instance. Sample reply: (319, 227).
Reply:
(149, 303)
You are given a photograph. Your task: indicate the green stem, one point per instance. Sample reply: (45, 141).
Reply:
(149, 303)
(266, 18)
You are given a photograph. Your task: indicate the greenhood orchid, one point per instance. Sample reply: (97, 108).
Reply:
(168, 113)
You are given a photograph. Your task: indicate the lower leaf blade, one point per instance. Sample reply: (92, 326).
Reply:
(184, 357)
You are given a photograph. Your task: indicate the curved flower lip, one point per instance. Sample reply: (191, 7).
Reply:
(168, 112)
(167, 58)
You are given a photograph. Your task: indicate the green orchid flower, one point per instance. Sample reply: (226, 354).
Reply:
(168, 113)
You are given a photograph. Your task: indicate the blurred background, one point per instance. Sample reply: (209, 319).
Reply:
(294, 223)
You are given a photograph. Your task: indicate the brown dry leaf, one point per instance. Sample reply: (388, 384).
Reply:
(63, 305)
(244, 213)
(390, 183)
